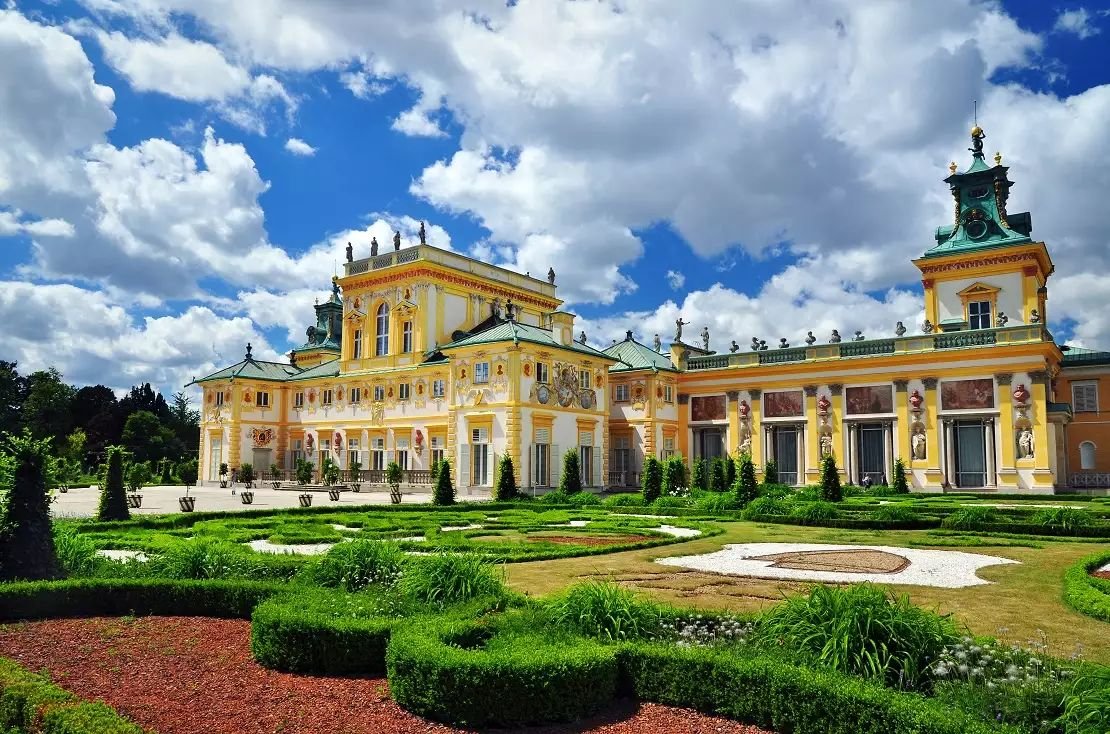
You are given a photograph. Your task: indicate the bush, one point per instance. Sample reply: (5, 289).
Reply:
(606, 611)
(571, 479)
(767, 507)
(1083, 592)
(505, 488)
(894, 513)
(246, 473)
(815, 512)
(583, 499)
(674, 477)
(113, 501)
(624, 500)
(138, 476)
(969, 518)
(450, 578)
(31, 703)
(355, 565)
(771, 472)
(900, 485)
(830, 480)
(778, 491)
(730, 471)
(444, 492)
(304, 470)
(664, 503)
(745, 489)
(714, 502)
(651, 480)
(718, 475)
(700, 475)
(208, 558)
(167, 477)
(1066, 519)
(557, 497)
(329, 471)
(26, 538)
(187, 472)
(862, 630)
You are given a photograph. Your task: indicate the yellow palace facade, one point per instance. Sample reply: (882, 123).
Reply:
(421, 353)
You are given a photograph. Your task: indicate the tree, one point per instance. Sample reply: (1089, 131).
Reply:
(13, 390)
(146, 437)
(329, 471)
(674, 475)
(717, 476)
(571, 481)
(74, 448)
(26, 537)
(505, 489)
(901, 486)
(651, 480)
(138, 476)
(745, 487)
(444, 492)
(143, 397)
(303, 470)
(700, 478)
(187, 471)
(113, 502)
(830, 480)
(167, 473)
(771, 472)
(46, 409)
(730, 471)
(184, 421)
(96, 411)
(246, 474)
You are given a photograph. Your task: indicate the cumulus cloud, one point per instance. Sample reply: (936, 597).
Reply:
(675, 280)
(1077, 22)
(296, 146)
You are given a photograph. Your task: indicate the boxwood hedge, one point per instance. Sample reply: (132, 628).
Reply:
(1085, 593)
(31, 703)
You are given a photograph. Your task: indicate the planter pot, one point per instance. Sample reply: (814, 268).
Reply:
(395, 495)
(134, 500)
(63, 490)
(246, 497)
(275, 485)
(306, 499)
(188, 504)
(333, 495)
(356, 487)
(223, 484)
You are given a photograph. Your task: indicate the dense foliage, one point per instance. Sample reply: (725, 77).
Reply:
(505, 488)
(444, 491)
(745, 488)
(571, 479)
(831, 490)
(651, 480)
(113, 502)
(26, 539)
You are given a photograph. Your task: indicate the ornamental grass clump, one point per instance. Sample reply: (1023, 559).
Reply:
(1067, 519)
(606, 611)
(894, 513)
(358, 564)
(969, 518)
(767, 506)
(76, 553)
(450, 578)
(815, 512)
(862, 630)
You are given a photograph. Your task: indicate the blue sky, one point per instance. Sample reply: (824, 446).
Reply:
(179, 176)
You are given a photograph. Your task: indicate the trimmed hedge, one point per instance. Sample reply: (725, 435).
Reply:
(784, 697)
(448, 672)
(1083, 592)
(849, 523)
(31, 703)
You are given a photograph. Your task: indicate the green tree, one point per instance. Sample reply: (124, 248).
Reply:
(184, 421)
(444, 492)
(674, 474)
(717, 476)
(74, 448)
(187, 471)
(745, 487)
(138, 476)
(505, 489)
(830, 480)
(651, 480)
(146, 438)
(46, 409)
(96, 411)
(901, 486)
(26, 537)
(571, 481)
(113, 502)
(246, 473)
(700, 478)
(304, 471)
(13, 389)
(167, 473)
(771, 472)
(730, 471)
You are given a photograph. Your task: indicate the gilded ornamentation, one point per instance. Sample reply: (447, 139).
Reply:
(261, 437)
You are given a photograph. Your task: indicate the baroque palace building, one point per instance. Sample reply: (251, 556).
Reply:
(421, 353)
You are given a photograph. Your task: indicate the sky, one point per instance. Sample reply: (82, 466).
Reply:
(180, 177)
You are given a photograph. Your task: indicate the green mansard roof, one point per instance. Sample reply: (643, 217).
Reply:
(253, 369)
(636, 356)
(515, 331)
(1081, 356)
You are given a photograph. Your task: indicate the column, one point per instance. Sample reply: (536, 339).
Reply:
(836, 422)
(757, 429)
(803, 441)
(853, 449)
(809, 459)
(1038, 415)
(902, 411)
(769, 442)
(732, 444)
(988, 428)
(1006, 469)
(888, 449)
(949, 455)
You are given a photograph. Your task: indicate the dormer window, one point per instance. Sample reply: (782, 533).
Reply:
(979, 314)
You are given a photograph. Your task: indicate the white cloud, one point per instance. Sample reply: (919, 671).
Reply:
(675, 280)
(362, 84)
(296, 146)
(1076, 22)
(10, 224)
(176, 66)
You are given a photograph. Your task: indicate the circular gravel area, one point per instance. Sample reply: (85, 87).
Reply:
(814, 562)
(189, 675)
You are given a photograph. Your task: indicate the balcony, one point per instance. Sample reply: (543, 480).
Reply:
(876, 347)
(454, 261)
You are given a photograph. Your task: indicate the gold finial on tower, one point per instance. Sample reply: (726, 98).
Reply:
(952, 167)
(998, 158)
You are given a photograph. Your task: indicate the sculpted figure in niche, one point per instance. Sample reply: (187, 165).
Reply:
(746, 446)
(826, 445)
(1025, 444)
(917, 443)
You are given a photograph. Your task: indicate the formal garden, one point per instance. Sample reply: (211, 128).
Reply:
(711, 593)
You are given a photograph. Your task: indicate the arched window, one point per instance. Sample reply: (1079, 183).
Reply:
(381, 339)
(1087, 456)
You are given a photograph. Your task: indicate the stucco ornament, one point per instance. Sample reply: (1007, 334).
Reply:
(566, 385)
(1021, 395)
(1025, 444)
(826, 445)
(262, 436)
(917, 443)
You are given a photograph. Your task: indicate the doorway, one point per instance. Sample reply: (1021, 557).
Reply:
(871, 452)
(709, 443)
(785, 442)
(971, 454)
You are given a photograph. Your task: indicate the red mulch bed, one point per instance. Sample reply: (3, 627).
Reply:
(1101, 574)
(189, 675)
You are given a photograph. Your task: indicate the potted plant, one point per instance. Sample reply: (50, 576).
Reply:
(354, 467)
(223, 476)
(246, 475)
(304, 471)
(393, 476)
(137, 476)
(333, 494)
(275, 472)
(329, 471)
(246, 497)
(188, 474)
(305, 499)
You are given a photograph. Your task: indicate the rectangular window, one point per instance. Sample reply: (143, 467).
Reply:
(379, 393)
(352, 452)
(356, 344)
(622, 455)
(437, 448)
(403, 453)
(620, 393)
(1084, 397)
(479, 451)
(406, 337)
(377, 453)
(668, 447)
(438, 388)
(668, 394)
(481, 372)
(355, 394)
(296, 452)
(541, 465)
(979, 315)
(219, 399)
(541, 373)
(298, 399)
(584, 379)
(262, 399)
(326, 397)
(403, 391)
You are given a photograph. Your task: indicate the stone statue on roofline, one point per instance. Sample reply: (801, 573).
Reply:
(657, 343)
(373, 247)
(734, 347)
(350, 253)
(422, 234)
(835, 337)
(551, 276)
(582, 337)
(397, 240)
(705, 338)
(679, 323)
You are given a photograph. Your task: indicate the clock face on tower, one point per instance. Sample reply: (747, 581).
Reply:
(975, 223)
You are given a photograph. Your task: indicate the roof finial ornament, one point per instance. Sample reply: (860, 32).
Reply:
(628, 335)
(998, 158)
(952, 167)
(249, 357)
(977, 134)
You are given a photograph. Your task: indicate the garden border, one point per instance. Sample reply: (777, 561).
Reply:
(1085, 593)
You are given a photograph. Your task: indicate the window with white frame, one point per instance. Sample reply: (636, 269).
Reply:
(406, 337)
(479, 456)
(296, 453)
(481, 372)
(353, 451)
(377, 453)
(354, 395)
(381, 335)
(541, 464)
(979, 315)
(1087, 456)
(438, 447)
(402, 453)
(584, 379)
(620, 393)
(1084, 397)
(668, 393)
(438, 388)
(403, 391)
(668, 447)
(326, 396)
(379, 393)
(586, 457)
(356, 344)
(622, 454)
(262, 399)
(298, 399)
(541, 373)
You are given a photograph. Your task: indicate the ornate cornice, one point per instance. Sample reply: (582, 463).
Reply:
(930, 383)
(518, 296)
(1004, 378)
(733, 395)
(978, 262)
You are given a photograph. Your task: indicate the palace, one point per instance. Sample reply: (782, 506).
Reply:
(421, 354)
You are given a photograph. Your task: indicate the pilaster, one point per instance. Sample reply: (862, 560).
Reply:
(812, 440)
(902, 414)
(682, 438)
(513, 417)
(930, 417)
(1038, 416)
(1007, 469)
(836, 424)
(733, 422)
(757, 429)
(235, 429)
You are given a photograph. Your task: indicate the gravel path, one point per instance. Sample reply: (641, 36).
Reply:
(941, 568)
(188, 675)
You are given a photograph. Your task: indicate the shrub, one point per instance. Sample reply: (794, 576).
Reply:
(663, 503)
(444, 492)
(26, 538)
(187, 471)
(355, 565)
(900, 485)
(969, 518)
(1081, 591)
(624, 500)
(864, 631)
(201, 558)
(138, 476)
(246, 473)
(354, 469)
(778, 491)
(830, 480)
(700, 475)
(674, 476)
(571, 479)
(771, 472)
(717, 475)
(449, 578)
(582, 499)
(167, 477)
(730, 472)
(505, 489)
(76, 552)
(894, 513)
(113, 501)
(815, 512)
(329, 471)
(394, 474)
(745, 489)
(557, 497)
(766, 506)
(1066, 519)
(606, 611)
(714, 502)
(32, 703)
(304, 470)
(651, 480)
